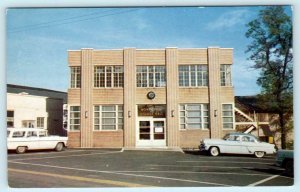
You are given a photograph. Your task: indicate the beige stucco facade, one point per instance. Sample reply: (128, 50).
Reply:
(170, 96)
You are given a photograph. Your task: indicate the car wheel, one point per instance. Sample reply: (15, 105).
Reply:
(59, 147)
(289, 167)
(21, 149)
(214, 151)
(259, 154)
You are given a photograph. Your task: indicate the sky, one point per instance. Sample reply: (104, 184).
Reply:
(38, 38)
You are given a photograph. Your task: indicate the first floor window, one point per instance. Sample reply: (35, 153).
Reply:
(40, 122)
(194, 116)
(75, 77)
(108, 117)
(227, 116)
(74, 118)
(10, 119)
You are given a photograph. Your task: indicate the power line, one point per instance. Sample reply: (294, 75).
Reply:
(33, 28)
(58, 20)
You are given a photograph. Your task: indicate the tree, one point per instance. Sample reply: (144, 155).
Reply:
(271, 51)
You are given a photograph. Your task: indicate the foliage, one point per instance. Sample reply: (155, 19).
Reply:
(271, 51)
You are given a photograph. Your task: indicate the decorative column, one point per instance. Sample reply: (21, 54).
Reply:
(214, 92)
(172, 97)
(129, 97)
(86, 104)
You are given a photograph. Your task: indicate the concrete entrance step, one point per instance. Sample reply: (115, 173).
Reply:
(177, 149)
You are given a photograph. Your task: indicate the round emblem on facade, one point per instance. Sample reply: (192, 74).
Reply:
(151, 95)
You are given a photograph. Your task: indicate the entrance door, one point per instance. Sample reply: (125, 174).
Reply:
(151, 132)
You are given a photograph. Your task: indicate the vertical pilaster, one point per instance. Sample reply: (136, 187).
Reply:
(129, 97)
(172, 97)
(214, 92)
(86, 105)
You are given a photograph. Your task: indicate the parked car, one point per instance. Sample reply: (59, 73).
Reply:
(237, 143)
(23, 139)
(285, 159)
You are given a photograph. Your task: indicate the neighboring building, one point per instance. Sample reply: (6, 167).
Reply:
(35, 107)
(149, 97)
(251, 118)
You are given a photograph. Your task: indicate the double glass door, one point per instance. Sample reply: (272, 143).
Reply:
(151, 132)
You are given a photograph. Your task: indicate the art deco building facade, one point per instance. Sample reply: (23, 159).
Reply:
(149, 97)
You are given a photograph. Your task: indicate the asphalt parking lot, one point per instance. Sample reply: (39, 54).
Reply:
(118, 168)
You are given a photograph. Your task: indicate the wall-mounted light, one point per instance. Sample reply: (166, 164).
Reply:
(172, 113)
(215, 113)
(129, 114)
(86, 114)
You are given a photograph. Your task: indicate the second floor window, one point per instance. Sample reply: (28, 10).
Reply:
(75, 77)
(151, 76)
(108, 76)
(193, 75)
(225, 75)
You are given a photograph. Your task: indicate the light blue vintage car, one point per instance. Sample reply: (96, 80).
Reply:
(237, 143)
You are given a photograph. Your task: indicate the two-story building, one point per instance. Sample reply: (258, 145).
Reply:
(135, 98)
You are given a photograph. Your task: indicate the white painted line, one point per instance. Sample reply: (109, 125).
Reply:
(125, 174)
(220, 167)
(48, 152)
(240, 162)
(197, 172)
(62, 156)
(264, 180)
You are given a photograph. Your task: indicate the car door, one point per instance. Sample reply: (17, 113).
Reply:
(32, 140)
(232, 144)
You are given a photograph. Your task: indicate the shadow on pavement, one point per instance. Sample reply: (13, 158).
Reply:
(271, 171)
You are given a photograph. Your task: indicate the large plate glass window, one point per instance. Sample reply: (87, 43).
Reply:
(74, 118)
(194, 116)
(151, 76)
(108, 117)
(193, 75)
(227, 116)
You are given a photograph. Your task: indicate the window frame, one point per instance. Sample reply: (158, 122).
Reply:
(187, 75)
(113, 72)
(202, 117)
(76, 82)
(233, 116)
(155, 73)
(40, 120)
(69, 118)
(226, 76)
(117, 117)
(10, 118)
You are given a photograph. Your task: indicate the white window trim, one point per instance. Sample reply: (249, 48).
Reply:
(196, 77)
(105, 75)
(70, 78)
(231, 82)
(69, 115)
(185, 116)
(100, 118)
(154, 76)
(233, 116)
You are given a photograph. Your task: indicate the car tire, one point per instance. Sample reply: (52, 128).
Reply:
(289, 167)
(59, 147)
(214, 151)
(21, 149)
(259, 154)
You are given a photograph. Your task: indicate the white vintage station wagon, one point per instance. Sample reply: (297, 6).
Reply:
(237, 143)
(23, 139)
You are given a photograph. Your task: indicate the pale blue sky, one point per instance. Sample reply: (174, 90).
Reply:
(38, 38)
